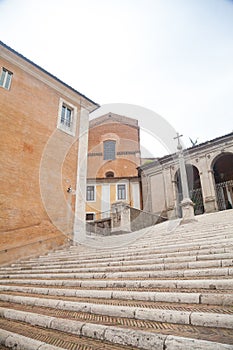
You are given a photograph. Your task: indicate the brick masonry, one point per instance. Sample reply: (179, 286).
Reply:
(28, 120)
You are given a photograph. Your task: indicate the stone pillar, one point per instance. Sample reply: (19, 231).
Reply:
(208, 186)
(186, 204)
(120, 217)
(146, 192)
(80, 204)
(169, 192)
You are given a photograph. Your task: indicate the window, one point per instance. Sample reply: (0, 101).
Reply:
(90, 195)
(67, 117)
(109, 174)
(90, 216)
(121, 192)
(109, 150)
(5, 78)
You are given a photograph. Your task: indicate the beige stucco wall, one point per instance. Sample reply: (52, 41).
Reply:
(159, 178)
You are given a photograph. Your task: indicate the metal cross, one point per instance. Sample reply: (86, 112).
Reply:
(178, 137)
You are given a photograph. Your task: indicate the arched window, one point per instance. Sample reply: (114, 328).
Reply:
(109, 150)
(109, 174)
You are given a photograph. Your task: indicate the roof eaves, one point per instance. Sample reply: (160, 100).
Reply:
(49, 74)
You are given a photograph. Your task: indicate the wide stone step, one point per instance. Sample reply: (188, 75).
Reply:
(164, 244)
(210, 254)
(119, 268)
(177, 315)
(196, 249)
(176, 284)
(223, 259)
(168, 297)
(28, 335)
(147, 243)
(146, 335)
(18, 341)
(150, 273)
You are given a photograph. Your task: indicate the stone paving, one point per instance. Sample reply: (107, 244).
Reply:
(169, 287)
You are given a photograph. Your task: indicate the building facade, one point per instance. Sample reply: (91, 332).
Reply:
(44, 125)
(209, 168)
(113, 159)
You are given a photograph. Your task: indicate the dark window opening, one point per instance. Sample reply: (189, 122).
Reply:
(109, 150)
(109, 174)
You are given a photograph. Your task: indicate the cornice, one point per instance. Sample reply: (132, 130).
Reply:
(46, 78)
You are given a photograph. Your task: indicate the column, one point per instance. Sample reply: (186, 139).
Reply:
(169, 193)
(80, 203)
(186, 204)
(208, 186)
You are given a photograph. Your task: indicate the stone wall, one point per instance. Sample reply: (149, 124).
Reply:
(140, 219)
(99, 227)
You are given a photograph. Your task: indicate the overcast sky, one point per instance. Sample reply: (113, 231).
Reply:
(174, 57)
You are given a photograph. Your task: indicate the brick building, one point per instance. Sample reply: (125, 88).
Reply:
(113, 158)
(44, 125)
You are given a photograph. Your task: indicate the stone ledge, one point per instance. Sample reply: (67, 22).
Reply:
(212, 284)
(140, 339)
(16, 341)
(170, 316)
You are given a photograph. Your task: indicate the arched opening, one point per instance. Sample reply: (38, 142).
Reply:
(109, 174)
(195, 191)
(223, 175)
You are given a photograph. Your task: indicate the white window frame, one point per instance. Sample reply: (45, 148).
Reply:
(126, 192)
(74, 112)
(91, 200)
(6, 84)
(91, 212)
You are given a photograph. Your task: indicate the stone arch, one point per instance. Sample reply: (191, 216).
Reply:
(195, 190)
(222, 166)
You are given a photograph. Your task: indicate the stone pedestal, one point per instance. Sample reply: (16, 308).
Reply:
(187, 211)
(120, 217)
(171, 213)
(210, 204)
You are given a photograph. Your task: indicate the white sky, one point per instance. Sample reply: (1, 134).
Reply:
(174, 57)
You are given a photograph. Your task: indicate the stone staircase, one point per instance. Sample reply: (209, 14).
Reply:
(167, 287)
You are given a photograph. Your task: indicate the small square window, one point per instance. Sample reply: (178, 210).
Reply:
(67, 118)
(5, 78)
(121, 192)
(90, 216)
(90, 195)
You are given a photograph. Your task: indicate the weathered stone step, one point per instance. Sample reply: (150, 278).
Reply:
(168, 304)
(18, 341)
(156, 338)
(180, 244)
(28, 335)
(168, 297)
(205, 284)
(145, 242)
(151, 273)
(157, 258)
(164, 251)
(223, 259)
(121, 268)
(203, 319)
